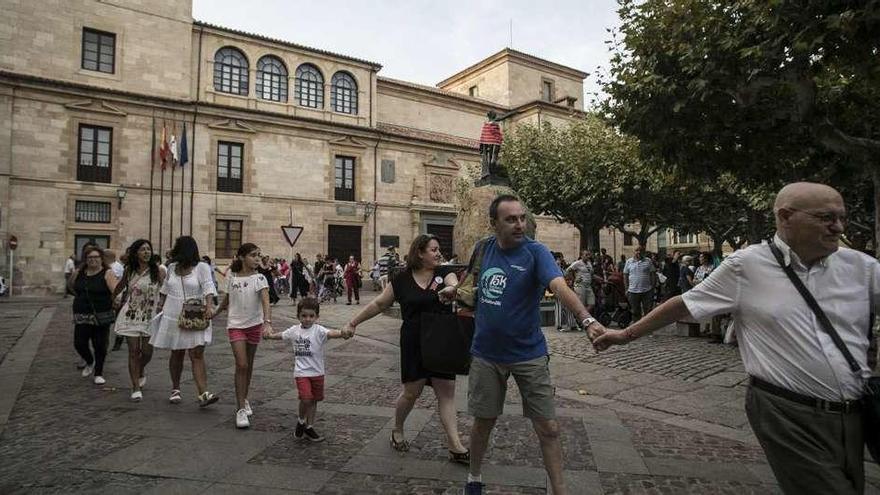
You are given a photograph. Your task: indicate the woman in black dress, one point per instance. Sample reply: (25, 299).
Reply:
(415, 288)
(93, 284)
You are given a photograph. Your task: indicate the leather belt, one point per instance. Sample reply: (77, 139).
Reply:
(844, 407)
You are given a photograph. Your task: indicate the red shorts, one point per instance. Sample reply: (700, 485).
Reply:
(251, 334)
(310, 387)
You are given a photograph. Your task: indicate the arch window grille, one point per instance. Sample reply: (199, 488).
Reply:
(231, 71)
(309, 91)
(271, 79)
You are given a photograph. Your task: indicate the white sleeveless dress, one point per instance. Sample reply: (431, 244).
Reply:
(165, 332)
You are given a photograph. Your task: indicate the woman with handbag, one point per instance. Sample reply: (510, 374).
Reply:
(352, 275)
(92, 284)
(139, 286)
(416, 288)
(184, 323)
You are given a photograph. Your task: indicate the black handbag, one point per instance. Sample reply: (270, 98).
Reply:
(446, 342)
(102, 318)
(871, 398)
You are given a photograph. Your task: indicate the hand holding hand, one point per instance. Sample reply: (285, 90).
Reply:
(595, 330)
(610, 338)
(268, 331)
(348, 331)
(447, 294)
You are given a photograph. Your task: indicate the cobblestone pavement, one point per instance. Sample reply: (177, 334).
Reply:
(16, 317)
(65, 435)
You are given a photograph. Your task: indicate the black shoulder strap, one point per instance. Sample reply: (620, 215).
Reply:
(817, 310)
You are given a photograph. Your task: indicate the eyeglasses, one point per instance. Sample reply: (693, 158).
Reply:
(827, 217)
(93, 257)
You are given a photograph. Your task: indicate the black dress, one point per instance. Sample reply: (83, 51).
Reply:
(413, 302)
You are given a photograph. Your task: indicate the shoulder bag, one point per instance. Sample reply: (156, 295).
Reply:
(193, 312)
(101, 318)
(871, 397)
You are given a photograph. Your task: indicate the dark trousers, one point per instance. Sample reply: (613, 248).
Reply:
(98, 336)
(353, 286)
(640, 303)
(810, 451)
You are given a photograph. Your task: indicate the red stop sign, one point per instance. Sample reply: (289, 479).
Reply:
(13, 242)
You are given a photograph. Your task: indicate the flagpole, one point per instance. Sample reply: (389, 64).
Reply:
(162, 202)
(192, 172)
(182, 174)
(152, 170)
(171, 152)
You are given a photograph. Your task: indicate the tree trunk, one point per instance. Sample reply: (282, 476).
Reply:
(589, 237)
(717, 247)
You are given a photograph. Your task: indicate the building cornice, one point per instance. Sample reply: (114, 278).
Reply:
(405, 87)
(79, 91)
(197, 25)
(518, 57)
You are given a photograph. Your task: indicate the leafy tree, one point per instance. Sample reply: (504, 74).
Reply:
(769, 91)
(589, 175)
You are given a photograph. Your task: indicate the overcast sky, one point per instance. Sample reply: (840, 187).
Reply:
(426, 41)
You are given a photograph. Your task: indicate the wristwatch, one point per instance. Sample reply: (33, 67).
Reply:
(586, 322)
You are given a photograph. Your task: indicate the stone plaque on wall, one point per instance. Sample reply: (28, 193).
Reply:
(346, 210)
(388, 171)
(441, 188)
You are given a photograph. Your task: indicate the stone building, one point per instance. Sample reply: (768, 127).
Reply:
(277, 133)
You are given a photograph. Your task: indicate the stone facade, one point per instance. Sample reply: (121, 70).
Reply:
(408, 144)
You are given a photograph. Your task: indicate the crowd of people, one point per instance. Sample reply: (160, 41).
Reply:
(806, 389)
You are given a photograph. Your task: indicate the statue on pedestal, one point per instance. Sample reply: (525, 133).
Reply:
(492, 172)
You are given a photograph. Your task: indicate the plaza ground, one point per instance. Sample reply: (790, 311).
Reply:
(663, 415)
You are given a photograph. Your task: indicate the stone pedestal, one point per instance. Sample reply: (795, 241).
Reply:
(472, 222)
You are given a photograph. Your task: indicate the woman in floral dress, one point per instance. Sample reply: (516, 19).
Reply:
(139, 287)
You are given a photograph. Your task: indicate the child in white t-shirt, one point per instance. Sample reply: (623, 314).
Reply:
(247, 297)
(308, 339)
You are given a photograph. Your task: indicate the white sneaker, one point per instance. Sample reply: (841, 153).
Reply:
(142, 381)
(247, 408)
(86, 371)
(241, 419)
(136, 396)
(99, 380)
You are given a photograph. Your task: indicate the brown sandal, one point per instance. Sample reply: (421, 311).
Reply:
(460, 457)
(401, 446)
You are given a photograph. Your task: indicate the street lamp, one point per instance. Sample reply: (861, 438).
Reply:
(369, 209)
(120, 194)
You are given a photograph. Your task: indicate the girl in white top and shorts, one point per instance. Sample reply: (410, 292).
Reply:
(188, 278)
(247, 297)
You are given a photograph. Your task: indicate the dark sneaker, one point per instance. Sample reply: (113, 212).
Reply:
(473, 488)
(312, 435)
(300, 429)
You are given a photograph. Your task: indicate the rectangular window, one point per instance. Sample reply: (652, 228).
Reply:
(547, 91)
(80, 241)
(344, 170)
(684, 238)
(94, 153)
(98, 51)
(229, 166)
(474, 91)
(92, 212)
(227, 238)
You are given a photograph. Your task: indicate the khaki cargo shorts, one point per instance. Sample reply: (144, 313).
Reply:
(487, 387)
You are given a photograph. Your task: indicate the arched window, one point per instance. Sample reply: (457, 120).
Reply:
(231, 71)
(343, 93)
(271, 79)
(309, 86)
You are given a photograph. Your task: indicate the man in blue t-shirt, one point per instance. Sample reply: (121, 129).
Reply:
(514, 273)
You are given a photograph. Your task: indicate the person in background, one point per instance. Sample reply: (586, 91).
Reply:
(93, 285)
(69, 267)
(639, 276)
(686, 274)
(207, 260)
(352, 275)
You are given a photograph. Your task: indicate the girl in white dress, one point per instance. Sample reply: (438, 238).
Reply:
(247, 297)
(188, 277)
(139, 287)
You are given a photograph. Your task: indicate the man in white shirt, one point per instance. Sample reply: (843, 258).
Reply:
(69, 267)
(803, 400)
(583, 279)
(638, 278)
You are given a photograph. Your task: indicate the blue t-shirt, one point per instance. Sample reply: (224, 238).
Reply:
(512, 283)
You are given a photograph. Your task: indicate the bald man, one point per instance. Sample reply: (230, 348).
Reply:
(802, 402)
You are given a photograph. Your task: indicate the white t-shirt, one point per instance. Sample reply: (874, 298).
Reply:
(245, 306)
(308, 349)
(69, 266)
(118, 269)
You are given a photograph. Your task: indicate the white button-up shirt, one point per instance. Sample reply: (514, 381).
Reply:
(780, 339)
(639, 273)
